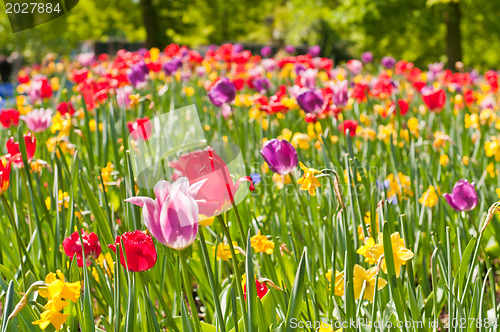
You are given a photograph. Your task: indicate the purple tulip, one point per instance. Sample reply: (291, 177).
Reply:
(138, 74)
(261, 84)
(266, 51)
(299, 68)
(38, 120)
(367, 57)
(223, 92)
(310, 100)
(388, 62)
(172, 218)
(290, 49)
(280, 156)
(463, 196)
(314, 51)
(171, 67)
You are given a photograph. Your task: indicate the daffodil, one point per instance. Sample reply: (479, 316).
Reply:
(338, 283)
(366, 278)
(224, 251)
(260, 243)
(56, 291)
(364, 251)
(430, 197)
(400, 254)
(308, 181)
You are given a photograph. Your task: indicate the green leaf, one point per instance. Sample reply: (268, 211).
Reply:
(294, 306)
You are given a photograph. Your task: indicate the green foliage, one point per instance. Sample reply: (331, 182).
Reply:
(413, 30)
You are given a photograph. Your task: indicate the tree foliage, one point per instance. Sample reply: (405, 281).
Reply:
(411, 29)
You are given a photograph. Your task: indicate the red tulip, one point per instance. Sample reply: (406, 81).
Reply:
(14, 154)
(91, 246)
(9, 117)
(4, 176)
(66, 107)
(434, 99)
(140, 128)
(139, 248)
(349, 124)
(403, 106)
(261, 289)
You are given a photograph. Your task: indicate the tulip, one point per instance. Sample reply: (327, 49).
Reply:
(138, 74)
(314, 51)
(310, 100)
(266, 51)
(388, 62)
(261, 289)
(463, 196)
(140, 128)
(367, 57)
(171, 67)
(91, 246)
(261, 84)
(9, 117)
(350, 125)
(172, 218)
(4, 175)
(38, 120)
(65, 107)
(290, 49)
(217, 190)
(434, 99)
(139, 248)
(223, 92)
(14, 153)
(340, 93)
(280, 156)
(123, 96)
(355, 66)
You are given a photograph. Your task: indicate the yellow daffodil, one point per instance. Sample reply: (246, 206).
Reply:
(57, 290)
(399, 186)
(280, 180)
(62, 199)
(367, 279)
(430, 197)
(339, 282)
(413, 126)
(400, 254)
(308, 181)
(444, 160)
(260, 243)
(492, 147)
(364, 251)
(224, 251)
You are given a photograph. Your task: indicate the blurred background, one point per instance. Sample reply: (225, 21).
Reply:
(422, 31)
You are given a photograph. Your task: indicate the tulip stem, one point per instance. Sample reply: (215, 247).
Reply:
(208, 266)
(183, 257)
(314, 233)
(236, 270)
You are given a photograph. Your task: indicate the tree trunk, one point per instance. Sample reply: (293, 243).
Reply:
(453, 35)
(154, 37)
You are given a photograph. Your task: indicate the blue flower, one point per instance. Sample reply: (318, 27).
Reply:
(256, 178)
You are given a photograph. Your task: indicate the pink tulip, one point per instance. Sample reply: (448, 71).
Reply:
(38, 120)
(172, 218)
(217, 191)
